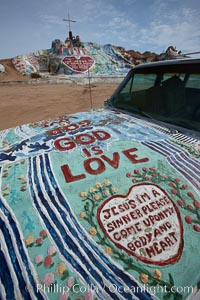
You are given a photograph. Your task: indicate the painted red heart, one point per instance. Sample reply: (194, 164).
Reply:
(145, 223)
(79, 64)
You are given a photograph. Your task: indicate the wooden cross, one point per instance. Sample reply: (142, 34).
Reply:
(68, 20)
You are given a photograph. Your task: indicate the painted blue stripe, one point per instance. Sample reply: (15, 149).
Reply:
(176, 159)
(101, 257)
(18, 272)
(22, 282)
(61, 246)
(6, 278)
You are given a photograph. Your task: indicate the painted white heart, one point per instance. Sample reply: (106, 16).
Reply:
(145, 223)
(79, 63)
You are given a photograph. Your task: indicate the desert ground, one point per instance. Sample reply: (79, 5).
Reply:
(22, 103)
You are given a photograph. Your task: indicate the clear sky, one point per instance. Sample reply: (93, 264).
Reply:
(141, 25)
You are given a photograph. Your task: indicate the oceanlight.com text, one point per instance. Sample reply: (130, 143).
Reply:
(80, 288)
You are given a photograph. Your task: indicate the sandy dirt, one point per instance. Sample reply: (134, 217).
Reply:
(22, 103)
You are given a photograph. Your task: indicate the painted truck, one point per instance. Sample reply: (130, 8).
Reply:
(105, 204)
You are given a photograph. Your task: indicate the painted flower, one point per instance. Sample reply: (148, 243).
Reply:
(6, 192)
(23, 161)
(70, 282)
(96, 197)
(188, 219)
(108, 250)
(136, 171)
(190, 195)
(157, 274)
(190, 207)
(20, 177)
(106, 193)
(63, 296)
(83, 194)
(197, 204)
(38, 259)
(174, 191)
(185, 187)
(61, 269)
(24, 180)
(23, 188)
(180, 202)
(154, 175)
(82, 215)
(30, 240)
(163, 177)
(171, 184)
(92, 190)
(106, 182)
(5, 186)
(134, 180)
(98, 185)
(39, 241)
(144, 278)
(89, 295)
(196, 228)
(152, 169)
(144, 169)
(128, 174)
(43, 234)
(147, 178)
(48, 261)
(5, 175)
(48, 279)
(93, 231)
(51, 250)
(114, 190)
(177, 179)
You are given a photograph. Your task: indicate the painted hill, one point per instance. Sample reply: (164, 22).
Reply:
(62, 59)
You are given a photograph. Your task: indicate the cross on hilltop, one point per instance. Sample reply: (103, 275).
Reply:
(69, 20)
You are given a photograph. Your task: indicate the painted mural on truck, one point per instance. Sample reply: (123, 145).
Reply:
(98, 205)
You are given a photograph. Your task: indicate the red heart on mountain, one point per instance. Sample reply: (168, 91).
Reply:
(79, 64)
(145, 223)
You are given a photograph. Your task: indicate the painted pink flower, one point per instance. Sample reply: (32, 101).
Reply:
(89, 295)
(39, 241)
(154, 175)
(180, 202)
(134, 180)
(147, 177)
(163, 177)
(196, 228)
(48, 261)
(48, 279)
(144, 169)
(171, 184)
(5, 175)
(38, 259)
(197, 204)
(63, 296)
(23, 188)
(70, 282)
(52, 250)
(5, 186)
(174, 191)
(190, 195)
(152, 169)
(177, 179)
(188, 219)
(185, 186)
(190, 207)
(136, 171)
(128, 174)
(43, 233)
